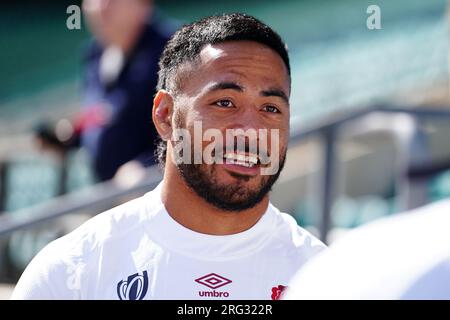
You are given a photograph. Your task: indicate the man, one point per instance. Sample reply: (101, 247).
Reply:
(208, 230)
(120, 77)
(401, 257)
(119, 81)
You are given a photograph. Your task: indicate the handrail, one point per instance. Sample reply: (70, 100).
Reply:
(101, 195)
(96, 197)
(337, 119)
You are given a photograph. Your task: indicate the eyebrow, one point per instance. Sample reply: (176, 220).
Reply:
(225, 86)
(272, 92)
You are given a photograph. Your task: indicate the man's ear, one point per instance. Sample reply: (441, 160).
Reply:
(162, 114)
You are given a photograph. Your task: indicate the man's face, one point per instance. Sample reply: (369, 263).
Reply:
(235, 85)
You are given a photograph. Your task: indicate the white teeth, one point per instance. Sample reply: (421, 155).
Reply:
(241, 159)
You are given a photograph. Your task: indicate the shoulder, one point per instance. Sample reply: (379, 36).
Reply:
(420, 225)
(57, 269)
(107, 226)
(295, 237)
(394, 251)
(91, 50)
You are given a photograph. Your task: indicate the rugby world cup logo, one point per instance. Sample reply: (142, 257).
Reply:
(134, 288)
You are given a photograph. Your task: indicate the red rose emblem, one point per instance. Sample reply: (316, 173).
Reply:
(277, 291)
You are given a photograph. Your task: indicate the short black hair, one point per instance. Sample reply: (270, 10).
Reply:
(186, 44)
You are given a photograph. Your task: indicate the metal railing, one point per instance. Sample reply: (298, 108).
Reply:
(95, 198)
(413, 169)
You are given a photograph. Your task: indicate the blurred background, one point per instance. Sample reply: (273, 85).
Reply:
(370, 112)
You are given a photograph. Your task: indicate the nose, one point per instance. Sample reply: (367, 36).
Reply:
(244, 129)
(248, 118)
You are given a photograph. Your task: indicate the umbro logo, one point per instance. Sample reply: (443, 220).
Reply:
(213, 281)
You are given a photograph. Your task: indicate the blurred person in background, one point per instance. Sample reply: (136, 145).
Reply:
(406, 257)
(120, 77)
(403, 257)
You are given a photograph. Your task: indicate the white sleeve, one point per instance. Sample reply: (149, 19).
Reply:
(45, 278)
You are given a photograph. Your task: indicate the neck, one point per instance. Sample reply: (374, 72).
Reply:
(193, 212)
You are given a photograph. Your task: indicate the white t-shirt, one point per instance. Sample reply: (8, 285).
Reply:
(402, 257)
(137, 251)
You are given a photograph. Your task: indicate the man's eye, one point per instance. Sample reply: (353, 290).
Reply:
(271, 109)
(224, 103)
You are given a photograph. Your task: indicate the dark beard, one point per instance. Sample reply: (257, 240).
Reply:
(234, 197)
